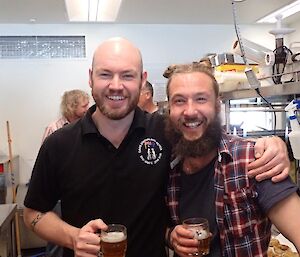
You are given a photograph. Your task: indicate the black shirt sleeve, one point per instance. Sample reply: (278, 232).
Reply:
(43, 192)
(270, 193)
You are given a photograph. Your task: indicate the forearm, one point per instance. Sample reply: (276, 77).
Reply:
(50, 227)
(285, 216)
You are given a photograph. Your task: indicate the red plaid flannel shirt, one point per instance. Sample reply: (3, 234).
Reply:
(244, 229)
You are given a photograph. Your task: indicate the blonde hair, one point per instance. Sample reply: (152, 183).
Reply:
(70, 100)
(193, 67)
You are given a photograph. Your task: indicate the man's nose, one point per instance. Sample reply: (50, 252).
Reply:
(190, 109)
(116, 83)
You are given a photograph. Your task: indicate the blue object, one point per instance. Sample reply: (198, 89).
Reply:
(39, 254)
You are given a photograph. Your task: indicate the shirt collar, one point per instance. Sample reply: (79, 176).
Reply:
(89, 127)
(64, 120)
(223, 150)
(139, 121)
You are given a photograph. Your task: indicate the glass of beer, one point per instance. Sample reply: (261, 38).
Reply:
(114, 241)
(200, 228)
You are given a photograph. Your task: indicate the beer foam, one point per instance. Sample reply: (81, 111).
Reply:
(113, 237)
(201, 234)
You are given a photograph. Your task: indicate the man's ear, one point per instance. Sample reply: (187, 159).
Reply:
(90, 77)
(144, 78)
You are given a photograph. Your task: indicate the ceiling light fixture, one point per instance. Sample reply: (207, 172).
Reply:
(92, 10)
(285, 11)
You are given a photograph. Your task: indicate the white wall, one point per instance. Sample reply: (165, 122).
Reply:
(294, 38)
(31, 89)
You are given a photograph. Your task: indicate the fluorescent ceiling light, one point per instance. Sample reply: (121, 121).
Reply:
(93, 10)
(285, 11)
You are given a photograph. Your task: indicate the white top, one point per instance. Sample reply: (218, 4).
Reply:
(55, 125)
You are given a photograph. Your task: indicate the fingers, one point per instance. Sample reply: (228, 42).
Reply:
(94, 226)
(87, 242)
(283, 175)
(260, 166)
(259, 147)
(86, 250)
(273, 169)
(183, 242)
(274, 162)
(184, 251)
(269, 147)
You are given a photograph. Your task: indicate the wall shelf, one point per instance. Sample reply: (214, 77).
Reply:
(290, 88)
(280, 90)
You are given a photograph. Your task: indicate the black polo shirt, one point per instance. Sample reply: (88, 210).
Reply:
(94, 179)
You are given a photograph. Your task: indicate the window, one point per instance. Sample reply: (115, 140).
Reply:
(42, 47)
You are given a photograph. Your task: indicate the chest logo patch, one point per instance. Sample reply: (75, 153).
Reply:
(150, 151)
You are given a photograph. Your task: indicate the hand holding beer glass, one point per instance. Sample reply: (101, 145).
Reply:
(200, 228)
(114, 241)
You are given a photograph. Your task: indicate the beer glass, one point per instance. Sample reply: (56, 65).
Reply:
(200, 228)
(114, 241)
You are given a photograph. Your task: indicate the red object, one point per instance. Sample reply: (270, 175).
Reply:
(1, 168)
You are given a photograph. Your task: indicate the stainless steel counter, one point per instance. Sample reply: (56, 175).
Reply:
(7, 234)
(7, 214)
(11, 179)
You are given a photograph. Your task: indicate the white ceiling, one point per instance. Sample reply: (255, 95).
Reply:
(147, 11)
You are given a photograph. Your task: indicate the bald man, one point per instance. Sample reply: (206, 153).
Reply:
(146, 102)
(112, 164)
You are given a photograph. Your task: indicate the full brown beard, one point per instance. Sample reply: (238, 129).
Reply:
(208, 142)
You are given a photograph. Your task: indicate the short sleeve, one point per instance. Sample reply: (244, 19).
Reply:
(270, 193)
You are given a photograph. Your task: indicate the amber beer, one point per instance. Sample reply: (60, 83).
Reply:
(114, 241)
(200, 228)
(203, 245)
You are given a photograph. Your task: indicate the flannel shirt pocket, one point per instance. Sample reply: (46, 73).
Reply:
(240, 211)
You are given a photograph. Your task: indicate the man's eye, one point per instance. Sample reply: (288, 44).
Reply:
(178, 101)
(201, 99)
(128, 76)
(104, 75)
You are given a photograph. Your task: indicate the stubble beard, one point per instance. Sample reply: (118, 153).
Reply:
(115, 114)
(202, 146)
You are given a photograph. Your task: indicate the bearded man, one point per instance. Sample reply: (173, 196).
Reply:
(209, 176)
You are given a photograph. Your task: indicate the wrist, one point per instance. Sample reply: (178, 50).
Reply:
(72, 235)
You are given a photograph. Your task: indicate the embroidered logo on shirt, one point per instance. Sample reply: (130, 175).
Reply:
(150, 151)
